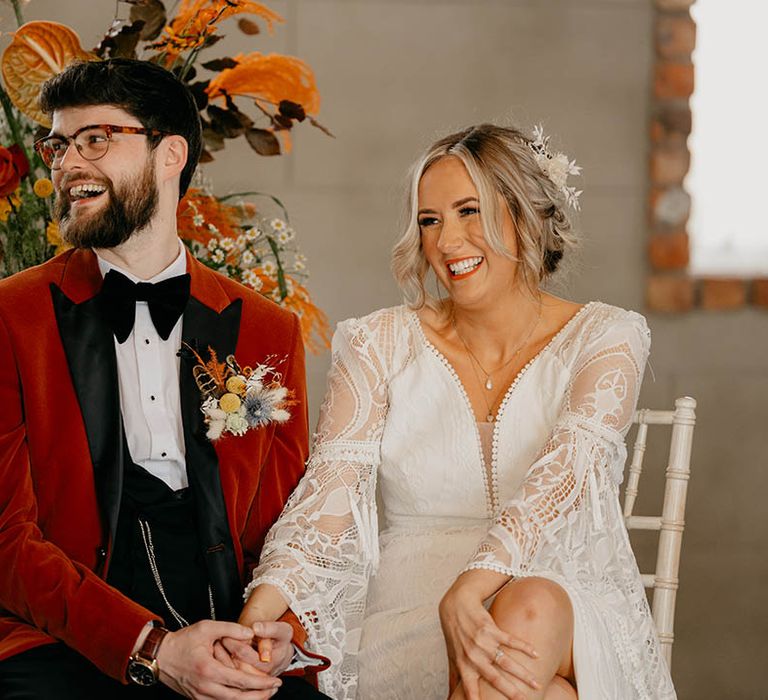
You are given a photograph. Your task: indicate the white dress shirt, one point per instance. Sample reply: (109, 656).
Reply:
(148, 376)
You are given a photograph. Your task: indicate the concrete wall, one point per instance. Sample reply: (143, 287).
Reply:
(393, 75)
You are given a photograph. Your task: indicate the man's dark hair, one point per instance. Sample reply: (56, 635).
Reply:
(145, 90)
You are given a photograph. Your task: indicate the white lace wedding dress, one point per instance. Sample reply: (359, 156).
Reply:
(397, 424)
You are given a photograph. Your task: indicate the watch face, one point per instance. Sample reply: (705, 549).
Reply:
(141, 672)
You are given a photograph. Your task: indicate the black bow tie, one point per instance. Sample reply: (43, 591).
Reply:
(166, 301)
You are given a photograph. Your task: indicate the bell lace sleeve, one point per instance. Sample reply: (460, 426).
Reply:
(320, 552)
(564, 501)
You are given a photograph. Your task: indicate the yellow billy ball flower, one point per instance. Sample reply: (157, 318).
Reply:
(236, 385)
(229, 403)
(43, 188)
(52, 233)
(8, 204)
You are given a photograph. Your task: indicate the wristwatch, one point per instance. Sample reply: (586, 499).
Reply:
(142, 666)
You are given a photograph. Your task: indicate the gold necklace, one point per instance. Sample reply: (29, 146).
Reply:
(488, 404)
(474, 361)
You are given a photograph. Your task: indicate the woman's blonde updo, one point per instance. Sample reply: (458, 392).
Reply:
(500, 161)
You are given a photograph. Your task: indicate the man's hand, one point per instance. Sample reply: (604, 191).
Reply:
(190, 665)
(274, 649)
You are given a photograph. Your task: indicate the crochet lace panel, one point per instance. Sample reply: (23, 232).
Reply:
(562, 522)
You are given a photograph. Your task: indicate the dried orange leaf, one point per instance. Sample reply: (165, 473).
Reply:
(272, 78)
(152, 12)
(248, 26)
(38, 51)
(263, 141)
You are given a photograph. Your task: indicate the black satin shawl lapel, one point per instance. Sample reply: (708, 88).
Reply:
(203, 327)
(90, 351)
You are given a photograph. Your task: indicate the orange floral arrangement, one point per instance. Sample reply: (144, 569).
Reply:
(239, 240)
(280, 90)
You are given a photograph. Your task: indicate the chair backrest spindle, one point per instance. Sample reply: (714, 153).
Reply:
(670, 525)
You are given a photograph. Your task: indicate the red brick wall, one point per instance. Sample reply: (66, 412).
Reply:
(670, 287)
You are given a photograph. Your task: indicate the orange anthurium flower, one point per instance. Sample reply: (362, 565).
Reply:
(271, 77)
(38, 51)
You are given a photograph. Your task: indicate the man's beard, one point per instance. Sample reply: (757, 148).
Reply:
(130, 208)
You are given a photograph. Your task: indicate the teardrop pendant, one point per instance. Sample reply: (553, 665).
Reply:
(489, 418)
(488, 383)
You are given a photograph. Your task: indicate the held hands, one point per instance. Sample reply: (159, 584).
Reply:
(273, 652)
(193, 662)
(474, 641)
(274, 649)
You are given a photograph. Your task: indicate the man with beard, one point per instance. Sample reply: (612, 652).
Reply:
(126, 534)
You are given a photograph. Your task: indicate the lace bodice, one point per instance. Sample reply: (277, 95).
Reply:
(395, 412)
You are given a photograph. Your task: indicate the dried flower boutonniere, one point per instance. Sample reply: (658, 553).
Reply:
(237, 399)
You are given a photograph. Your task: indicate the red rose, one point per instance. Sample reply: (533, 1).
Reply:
(13, 166)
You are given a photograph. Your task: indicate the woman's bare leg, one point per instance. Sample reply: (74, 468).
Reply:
(560, 689)
(539, 611)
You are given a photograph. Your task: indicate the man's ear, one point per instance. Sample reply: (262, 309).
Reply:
(173, 155)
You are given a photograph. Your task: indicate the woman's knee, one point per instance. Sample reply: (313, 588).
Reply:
(531, 600)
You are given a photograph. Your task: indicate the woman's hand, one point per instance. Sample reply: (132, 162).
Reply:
(266, 602)
(473, 639)
(274, 651)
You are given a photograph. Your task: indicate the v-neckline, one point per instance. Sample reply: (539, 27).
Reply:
(490, 470)
(521, 372)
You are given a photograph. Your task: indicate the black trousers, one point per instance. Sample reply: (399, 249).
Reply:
(56, 672)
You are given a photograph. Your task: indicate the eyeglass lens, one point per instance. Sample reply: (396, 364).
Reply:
(92, 144)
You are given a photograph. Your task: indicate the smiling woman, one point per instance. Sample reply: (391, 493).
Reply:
(490, 425)
(506, 180)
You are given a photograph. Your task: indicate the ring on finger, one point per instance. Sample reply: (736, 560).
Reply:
(497, 656)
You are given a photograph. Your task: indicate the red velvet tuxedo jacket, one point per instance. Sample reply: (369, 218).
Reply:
(62, 455)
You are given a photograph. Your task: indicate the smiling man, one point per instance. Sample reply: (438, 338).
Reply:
(126, 534)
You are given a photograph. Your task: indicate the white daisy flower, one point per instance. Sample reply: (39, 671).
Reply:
(198, 220)
(251, 279)
(278, 225)
(286, 236)
(248, 258)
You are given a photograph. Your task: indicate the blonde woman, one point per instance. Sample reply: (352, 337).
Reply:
(490, 425)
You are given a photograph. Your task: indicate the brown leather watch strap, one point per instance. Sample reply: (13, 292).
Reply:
(152, 642)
